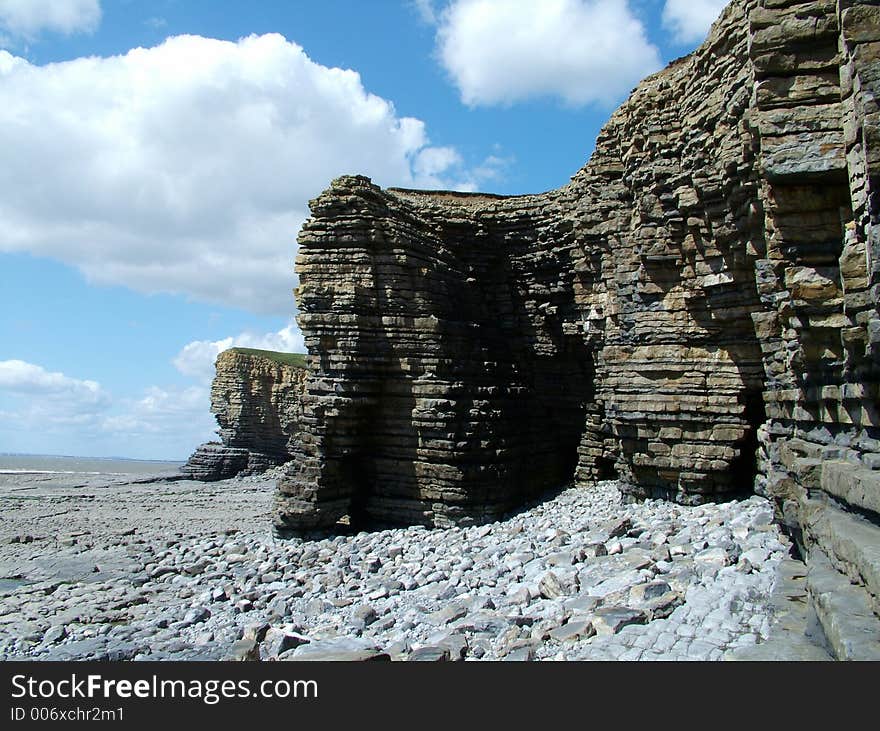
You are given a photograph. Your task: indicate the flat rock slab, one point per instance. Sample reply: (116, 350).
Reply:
(574, 630)
(610, 620)
(779, 650)
(430, 654)
(524, 653)
(340, 650)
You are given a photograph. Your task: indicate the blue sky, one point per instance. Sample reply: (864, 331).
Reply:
(159, 157)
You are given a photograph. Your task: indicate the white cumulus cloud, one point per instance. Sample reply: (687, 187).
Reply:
(197, 358)
(690, 20)
(35, 399)
(48, 411)
(181, 412)
(580, 51)
(434, 160)
(160, 423)
(187, 167)
(28, 18)
(426, 11)
(22, 378)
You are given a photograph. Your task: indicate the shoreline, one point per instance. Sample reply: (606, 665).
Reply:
(182, 570)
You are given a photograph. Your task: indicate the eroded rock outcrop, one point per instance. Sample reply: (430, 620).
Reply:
(255, 396)
(695, 313)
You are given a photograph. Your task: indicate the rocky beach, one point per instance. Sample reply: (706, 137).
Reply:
(634, 417)
(147, 568)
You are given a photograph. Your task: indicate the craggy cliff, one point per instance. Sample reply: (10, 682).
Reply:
(695, 313)
(255, 396)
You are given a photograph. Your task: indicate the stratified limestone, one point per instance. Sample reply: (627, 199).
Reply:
(256, 399)
(702, 293)
(817, 81)
(214, 461)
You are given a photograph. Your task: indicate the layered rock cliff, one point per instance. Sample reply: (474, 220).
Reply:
(695, 313)
(817, 79)
(255, 397)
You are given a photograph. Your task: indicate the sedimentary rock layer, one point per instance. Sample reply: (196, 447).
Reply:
(255, 396)
(702, 291)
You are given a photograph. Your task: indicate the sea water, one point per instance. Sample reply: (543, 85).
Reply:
(11, 464)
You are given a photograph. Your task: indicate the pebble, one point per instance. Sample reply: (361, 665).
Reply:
(583, 575)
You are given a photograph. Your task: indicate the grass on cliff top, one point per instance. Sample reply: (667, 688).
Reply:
(298, 360)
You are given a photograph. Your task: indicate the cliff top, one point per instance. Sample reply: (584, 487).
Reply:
(297, 360)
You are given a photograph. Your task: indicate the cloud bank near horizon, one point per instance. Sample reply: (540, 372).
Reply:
(38, 406)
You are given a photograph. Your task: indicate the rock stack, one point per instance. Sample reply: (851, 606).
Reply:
(255, 396)
(696, 312)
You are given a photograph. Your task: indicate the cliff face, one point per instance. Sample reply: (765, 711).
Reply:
(696, 313)
(255, 396)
